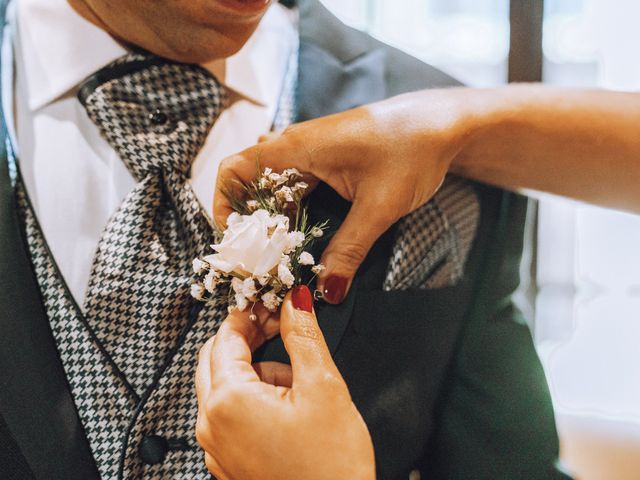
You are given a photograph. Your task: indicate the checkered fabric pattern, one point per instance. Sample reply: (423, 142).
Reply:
(116, 417)
(103, 397)
(157, 116)
(433, 242)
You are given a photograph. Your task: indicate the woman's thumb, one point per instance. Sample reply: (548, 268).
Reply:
(311, 361)
(349, 247)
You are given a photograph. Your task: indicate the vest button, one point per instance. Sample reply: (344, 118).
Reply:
(153, 449)
(158, 118)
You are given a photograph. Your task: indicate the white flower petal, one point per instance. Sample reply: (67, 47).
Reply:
(249, 288)
(199, 265)
(285, 275)
(197, 291)
(233, 218)
(318, 268)
(271, 301)
(210, 281)
(306, 258)
(241, 302)
(294, 240)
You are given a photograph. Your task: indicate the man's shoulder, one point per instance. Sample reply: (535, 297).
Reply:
(403, 72)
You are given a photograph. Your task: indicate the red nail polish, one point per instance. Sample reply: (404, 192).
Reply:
(335, 288)
(301, 298)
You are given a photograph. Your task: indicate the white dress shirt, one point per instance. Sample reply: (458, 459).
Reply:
(74, 178)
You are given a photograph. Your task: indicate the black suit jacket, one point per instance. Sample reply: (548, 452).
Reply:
(408, 357)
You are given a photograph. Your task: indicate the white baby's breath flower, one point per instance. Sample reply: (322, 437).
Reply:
(271, 301)
(241, 302)
(294, 240)
(264, 183)
(249, 288)
(291, 172)
(252, 205)
(277, 179)
(317, 269)
(285, 275)
(237, 284)
(279, 221)
(267, 171)
(316, 232)
(284, 195)
(300, 187)
(199, 266)
(197, 291)
(211, 281)
(306, 258)
(238, 288)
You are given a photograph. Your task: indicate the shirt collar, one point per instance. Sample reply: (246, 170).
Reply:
(59, 49)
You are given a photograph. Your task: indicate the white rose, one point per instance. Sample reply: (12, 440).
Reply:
(247, 248)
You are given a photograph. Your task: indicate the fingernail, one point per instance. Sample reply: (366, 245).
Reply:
(301, 298)
(334, 289)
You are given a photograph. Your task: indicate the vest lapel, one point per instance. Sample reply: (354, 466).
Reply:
(35, 401)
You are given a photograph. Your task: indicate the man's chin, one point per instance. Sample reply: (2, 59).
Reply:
(199, 53)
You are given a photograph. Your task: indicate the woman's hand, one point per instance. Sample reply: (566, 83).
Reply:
(386, 158)
(271, 421)
(389, 158)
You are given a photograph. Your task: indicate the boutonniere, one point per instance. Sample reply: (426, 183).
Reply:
(264, 251)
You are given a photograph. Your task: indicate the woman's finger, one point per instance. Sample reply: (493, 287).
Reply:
(203, 372)
(311, 363)
(350, 245)
(274, 373)
(230, 357)
(214, 467)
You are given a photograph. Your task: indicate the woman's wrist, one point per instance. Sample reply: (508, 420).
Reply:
(488, 120)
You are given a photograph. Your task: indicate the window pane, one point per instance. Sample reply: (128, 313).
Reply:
(588, 309)
(468, 39)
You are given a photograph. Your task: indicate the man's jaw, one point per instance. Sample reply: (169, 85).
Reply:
(245, 6)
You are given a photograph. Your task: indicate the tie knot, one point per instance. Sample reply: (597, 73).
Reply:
(155, 113)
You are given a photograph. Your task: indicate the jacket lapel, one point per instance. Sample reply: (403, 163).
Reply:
(338, 70)
(35, 401)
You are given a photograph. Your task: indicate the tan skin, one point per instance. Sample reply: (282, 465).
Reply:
(189, 31)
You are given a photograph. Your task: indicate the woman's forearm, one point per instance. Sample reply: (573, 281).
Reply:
(583, 144)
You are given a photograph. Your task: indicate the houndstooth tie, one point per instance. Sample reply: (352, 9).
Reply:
(157, 116)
